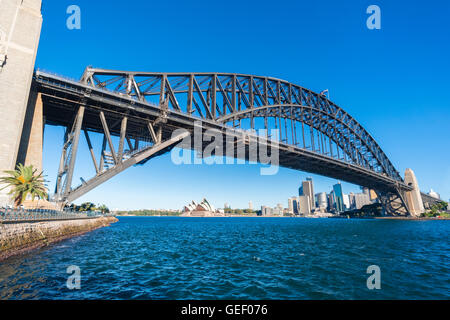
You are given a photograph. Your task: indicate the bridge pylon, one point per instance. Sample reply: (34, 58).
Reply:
(413, 198)
(20, 27)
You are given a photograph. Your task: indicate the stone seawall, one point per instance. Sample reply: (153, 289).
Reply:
(17, 238)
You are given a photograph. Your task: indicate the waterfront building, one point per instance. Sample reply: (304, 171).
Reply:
(202, 209)
(250, 205)
(307, 189)
(293, 205)
(346, 201)
(362, 199)
(304, 204)
(351, 200)
(321, 200)
(339, 197)
(331, 202)
(277, 211)
(266, 211)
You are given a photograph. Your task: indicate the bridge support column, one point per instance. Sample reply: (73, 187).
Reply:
(394, 203)
(31, 143)
(20, 27)
(414, 200)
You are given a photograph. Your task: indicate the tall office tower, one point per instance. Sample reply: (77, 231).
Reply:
(322, 201)
(293, 201)
(346, 200)
(331, 201)
(362, 199)
(304, 205)
(291, 205)
(307, 189)
(250, 205)
(351, 200)
(339, 197)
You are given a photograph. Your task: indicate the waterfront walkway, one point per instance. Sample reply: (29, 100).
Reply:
(10, 215)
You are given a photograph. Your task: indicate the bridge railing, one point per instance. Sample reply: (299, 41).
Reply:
(11, 215)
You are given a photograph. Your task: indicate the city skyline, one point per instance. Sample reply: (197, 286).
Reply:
(335, 201)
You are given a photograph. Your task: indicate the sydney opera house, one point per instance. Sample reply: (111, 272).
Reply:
(202, 209)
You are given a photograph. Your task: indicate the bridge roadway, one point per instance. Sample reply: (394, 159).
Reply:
(62, 98)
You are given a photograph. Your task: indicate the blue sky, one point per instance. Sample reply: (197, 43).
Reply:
(394, 81)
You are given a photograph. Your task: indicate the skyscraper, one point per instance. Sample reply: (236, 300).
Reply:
(322, 201)
(307, 189)
(291, 205)
(338, 197)
(304, 204)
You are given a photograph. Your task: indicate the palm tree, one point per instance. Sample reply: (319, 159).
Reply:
(23, 182)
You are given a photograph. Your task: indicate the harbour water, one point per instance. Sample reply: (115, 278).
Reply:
(239, 258)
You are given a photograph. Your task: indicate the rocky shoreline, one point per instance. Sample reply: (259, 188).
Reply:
(18, 238)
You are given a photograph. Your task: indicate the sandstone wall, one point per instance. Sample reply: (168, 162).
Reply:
(17, 238)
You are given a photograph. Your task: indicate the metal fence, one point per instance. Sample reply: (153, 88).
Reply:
(9, 215)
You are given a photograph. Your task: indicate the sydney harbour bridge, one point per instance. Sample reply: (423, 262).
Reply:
(139, 116)
(140, 108)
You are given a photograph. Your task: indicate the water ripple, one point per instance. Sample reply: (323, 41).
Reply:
(239, 258)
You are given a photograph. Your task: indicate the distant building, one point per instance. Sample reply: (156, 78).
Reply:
(250, 205)
(346, 200)
(362, 199)
(434, 194)
(307, 189)
(365, 190)
(351, 200)
(202, 209)
(322, 200)
(331, 202)
(339, 197)
(293, 205)
(266, 211)
(304, 204)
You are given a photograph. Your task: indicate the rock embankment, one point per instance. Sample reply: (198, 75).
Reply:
(17, 238)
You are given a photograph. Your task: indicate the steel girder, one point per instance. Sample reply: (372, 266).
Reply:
(112, 161)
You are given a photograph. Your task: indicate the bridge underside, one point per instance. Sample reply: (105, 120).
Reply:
(135, 131)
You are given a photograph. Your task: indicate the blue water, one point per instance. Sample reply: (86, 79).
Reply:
(239, 258)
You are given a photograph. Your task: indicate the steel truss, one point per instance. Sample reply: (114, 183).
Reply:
(111, 162)
(305, 121)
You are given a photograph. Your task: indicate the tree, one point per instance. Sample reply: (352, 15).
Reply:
(103, 208)
(87, 206)
(24, 181)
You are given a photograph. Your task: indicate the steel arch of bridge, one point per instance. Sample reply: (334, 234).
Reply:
(229, 98)
(143, 106)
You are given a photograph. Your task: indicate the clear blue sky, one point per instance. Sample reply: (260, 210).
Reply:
(394, 81)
